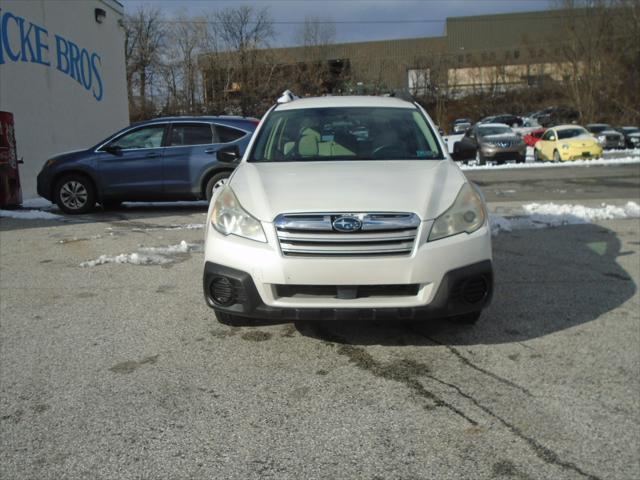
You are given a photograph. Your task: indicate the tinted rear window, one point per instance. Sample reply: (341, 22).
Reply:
(191, 134)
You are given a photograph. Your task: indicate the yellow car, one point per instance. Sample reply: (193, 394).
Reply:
(566, 142)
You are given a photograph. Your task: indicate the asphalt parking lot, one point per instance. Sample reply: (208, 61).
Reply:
(121, 371)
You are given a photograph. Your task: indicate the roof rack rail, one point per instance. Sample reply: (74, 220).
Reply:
(288, 96)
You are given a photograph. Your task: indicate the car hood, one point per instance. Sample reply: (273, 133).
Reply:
(68, 156)
(424, 187)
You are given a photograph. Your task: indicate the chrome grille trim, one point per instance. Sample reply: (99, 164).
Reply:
(314, 235)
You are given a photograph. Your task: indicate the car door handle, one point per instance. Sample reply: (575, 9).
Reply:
(152, 154)
(210, 150)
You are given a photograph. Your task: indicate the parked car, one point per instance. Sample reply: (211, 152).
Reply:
(315, 227)
(556, 115)
(158, 160)
(461, 125)
(507, 119)
(607, 136)
(533, 137)
(528, 125)
(566, 142)
(490, 142)
(631, 136)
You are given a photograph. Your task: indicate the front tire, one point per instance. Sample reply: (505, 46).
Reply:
(75, 194)
(556, 156)
(536, 156)
(217, 181)
(480, 160)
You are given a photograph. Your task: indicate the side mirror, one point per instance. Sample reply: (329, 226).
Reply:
(552, 138)
(112, 149)
(456, 151)
(228, 154)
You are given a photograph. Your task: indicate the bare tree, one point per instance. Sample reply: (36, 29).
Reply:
(186, 39)
(143, 44)
(599, 58)
(244, 30)
(315, 35)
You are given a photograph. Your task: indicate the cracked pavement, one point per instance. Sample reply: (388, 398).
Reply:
(121, 371)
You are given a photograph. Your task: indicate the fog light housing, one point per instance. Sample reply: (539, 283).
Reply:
(222, 292)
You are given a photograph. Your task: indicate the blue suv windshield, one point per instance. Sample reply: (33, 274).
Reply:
(345, 133)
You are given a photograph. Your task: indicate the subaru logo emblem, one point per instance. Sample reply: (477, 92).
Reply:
(347, 224)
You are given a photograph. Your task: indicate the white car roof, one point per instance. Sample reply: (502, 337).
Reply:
(345, 101)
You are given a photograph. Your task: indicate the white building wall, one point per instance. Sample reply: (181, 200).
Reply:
(53, 111)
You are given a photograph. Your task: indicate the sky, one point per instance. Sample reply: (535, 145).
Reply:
(387, 19)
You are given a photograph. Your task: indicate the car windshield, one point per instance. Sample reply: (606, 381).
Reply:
(347, 133)
(628, 130)
(599, 128)
(494, 130)
(571, 133)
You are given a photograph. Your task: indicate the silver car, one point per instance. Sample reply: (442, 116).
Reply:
(606, 135)
(495, 142)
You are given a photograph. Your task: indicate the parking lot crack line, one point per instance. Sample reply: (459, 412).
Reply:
(545, 454)
(404, 371)
(470, 364)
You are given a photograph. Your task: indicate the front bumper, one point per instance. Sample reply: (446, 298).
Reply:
(517, 153)
(264, 272)
(452, 298)
(44, 186)
(577, 153)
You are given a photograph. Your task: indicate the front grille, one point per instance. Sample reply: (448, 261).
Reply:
(378, 234)
(347, 292)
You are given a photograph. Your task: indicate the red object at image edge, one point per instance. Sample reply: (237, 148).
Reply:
(10, 191)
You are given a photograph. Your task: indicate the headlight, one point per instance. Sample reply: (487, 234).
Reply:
(602, 138)
(565, 146)
(465, 215)
(229, 218)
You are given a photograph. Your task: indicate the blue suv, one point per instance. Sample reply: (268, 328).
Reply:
(178, 158)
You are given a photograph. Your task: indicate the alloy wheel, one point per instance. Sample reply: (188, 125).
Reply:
(74, 195)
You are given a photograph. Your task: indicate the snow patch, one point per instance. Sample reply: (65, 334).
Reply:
(185, 226)
(132, 258)
(30, 215)
(573, 163)
(545, 215)
(38, 203)
(146, 255)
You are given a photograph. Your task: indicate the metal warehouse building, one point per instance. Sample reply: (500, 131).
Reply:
(62, 76)
(475, 53)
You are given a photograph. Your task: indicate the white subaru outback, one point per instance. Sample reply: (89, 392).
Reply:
(347, 207)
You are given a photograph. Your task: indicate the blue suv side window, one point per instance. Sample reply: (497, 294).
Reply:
(191, 134)
(228, 134)
(145, 137)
